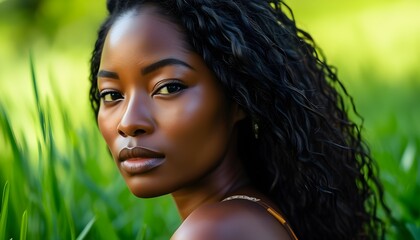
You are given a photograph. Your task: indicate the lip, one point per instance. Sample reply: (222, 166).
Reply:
(139, 160)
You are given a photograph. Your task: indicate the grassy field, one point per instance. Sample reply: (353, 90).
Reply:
(57, 180)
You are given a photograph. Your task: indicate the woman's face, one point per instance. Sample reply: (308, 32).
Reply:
(163, 114)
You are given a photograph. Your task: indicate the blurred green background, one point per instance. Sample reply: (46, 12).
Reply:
(56, 178)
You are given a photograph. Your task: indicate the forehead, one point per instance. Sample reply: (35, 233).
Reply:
(147, 29)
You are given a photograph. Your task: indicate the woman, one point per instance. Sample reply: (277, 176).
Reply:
(227, 106)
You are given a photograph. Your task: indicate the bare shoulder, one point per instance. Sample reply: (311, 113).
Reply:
(236, 219)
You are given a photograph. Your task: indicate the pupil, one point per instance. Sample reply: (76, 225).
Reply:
(173, 88)
(114, 96)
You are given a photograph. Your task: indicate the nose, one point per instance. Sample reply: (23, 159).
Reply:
(137, 118)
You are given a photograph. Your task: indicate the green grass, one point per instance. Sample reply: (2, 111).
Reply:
(392, 128)
(71, 190)
(57, 180)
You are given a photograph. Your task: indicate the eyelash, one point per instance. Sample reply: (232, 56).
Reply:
(104, 94)
(179, 87)
(173, 83)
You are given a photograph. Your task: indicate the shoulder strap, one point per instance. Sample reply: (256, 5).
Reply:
(273, 212)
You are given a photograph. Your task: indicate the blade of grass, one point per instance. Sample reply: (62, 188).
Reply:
(37, 98)
(24, 226)
(408, 156)
(8, 133)
(142, 233)
(70, 222)
(4, 206)
(86, 229)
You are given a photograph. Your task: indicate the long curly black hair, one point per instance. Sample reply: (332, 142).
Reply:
(309, 157)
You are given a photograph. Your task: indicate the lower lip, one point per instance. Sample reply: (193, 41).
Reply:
(140, 165)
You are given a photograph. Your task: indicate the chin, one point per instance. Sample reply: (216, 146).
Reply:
(145, 194)
(144, 189)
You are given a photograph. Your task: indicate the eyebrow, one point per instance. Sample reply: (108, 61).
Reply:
(108, 74)
(148, 69)
(162, 63)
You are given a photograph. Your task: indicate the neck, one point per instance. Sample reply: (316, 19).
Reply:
(225, 179)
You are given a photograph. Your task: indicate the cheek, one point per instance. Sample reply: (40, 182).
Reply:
(196, 128)
(107, 124)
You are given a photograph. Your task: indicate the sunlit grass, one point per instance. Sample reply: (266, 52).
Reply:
(62, 183)
(72, 190)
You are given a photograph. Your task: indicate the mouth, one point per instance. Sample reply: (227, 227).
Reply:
(139, 160)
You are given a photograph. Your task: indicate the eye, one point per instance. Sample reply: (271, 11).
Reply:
(110, 96)
(170, 88)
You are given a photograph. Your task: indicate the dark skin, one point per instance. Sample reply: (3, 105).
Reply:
(171, 130)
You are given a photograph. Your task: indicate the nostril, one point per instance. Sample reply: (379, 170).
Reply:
(139, 132)
(133, 133)
(122, 133)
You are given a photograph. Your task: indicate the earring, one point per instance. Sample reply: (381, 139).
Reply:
(255, 128)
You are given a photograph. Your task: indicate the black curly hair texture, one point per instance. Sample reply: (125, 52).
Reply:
(309, 157)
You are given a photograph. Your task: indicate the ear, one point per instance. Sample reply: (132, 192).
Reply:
(238, 113)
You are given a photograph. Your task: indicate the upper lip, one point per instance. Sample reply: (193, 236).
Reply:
(138, 152)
